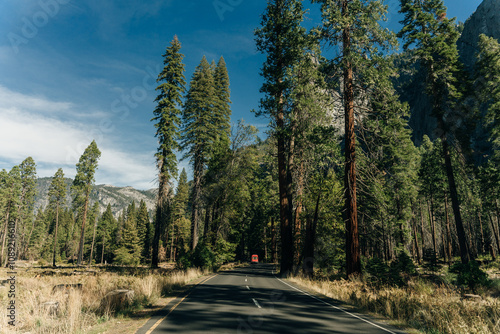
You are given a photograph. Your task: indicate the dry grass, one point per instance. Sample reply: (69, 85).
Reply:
(422, 305)
(80, 310)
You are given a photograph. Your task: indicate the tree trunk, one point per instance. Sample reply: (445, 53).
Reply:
(4, 234)
(433, 225)
(172, 254)
(160, 206)
(207, 222)
(84, 220)
(462, 239)
(55, 236)
(495, 233)
(198, 173)
(298, 212)
(417, 248)
(265, 243)
(384, 238)
(102, 251)
(93, 240)
(286, 224)
(310, 239)
(353, 259)
(481, 230)
(422, 228)
(273, 242)
(448, 230)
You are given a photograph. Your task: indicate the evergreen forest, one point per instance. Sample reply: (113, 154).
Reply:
(338, 186)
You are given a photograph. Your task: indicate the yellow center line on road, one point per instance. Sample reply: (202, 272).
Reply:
(173, 307)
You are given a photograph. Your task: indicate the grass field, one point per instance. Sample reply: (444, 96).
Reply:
(39, 309)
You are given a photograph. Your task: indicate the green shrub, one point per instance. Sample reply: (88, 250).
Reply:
(201, 257)
(470, 275)
(395, 274)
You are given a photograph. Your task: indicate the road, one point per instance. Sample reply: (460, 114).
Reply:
(254, 300)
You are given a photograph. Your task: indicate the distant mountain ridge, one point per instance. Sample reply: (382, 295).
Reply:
(118, 197)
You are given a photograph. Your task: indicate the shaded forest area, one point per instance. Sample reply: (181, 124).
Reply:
(337, 188)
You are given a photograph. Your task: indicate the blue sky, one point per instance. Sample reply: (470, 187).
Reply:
(76, 70)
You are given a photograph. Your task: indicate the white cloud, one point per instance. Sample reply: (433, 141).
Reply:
(33, 126)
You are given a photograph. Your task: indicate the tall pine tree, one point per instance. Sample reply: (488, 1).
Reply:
(282, 39)
(354, 27)
(200, 131)
(82, 185)
(167, 118)
(433, 38)
(57, 196)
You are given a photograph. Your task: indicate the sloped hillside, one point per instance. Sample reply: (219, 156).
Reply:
(118, 197)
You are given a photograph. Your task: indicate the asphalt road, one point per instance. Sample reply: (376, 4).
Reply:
(254, 300)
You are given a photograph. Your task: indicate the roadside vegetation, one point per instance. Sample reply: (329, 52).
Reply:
(44, 306)
(435, 299)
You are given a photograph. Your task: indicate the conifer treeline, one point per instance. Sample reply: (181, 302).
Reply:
(293, 197)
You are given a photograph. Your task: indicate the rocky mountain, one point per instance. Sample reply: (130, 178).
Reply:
(118, 198)
(485, 20)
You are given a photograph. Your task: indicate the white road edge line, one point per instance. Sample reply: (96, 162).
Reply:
(256, 303)
(335, 307)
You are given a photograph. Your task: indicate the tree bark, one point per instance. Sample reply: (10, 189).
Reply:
(353, 259)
